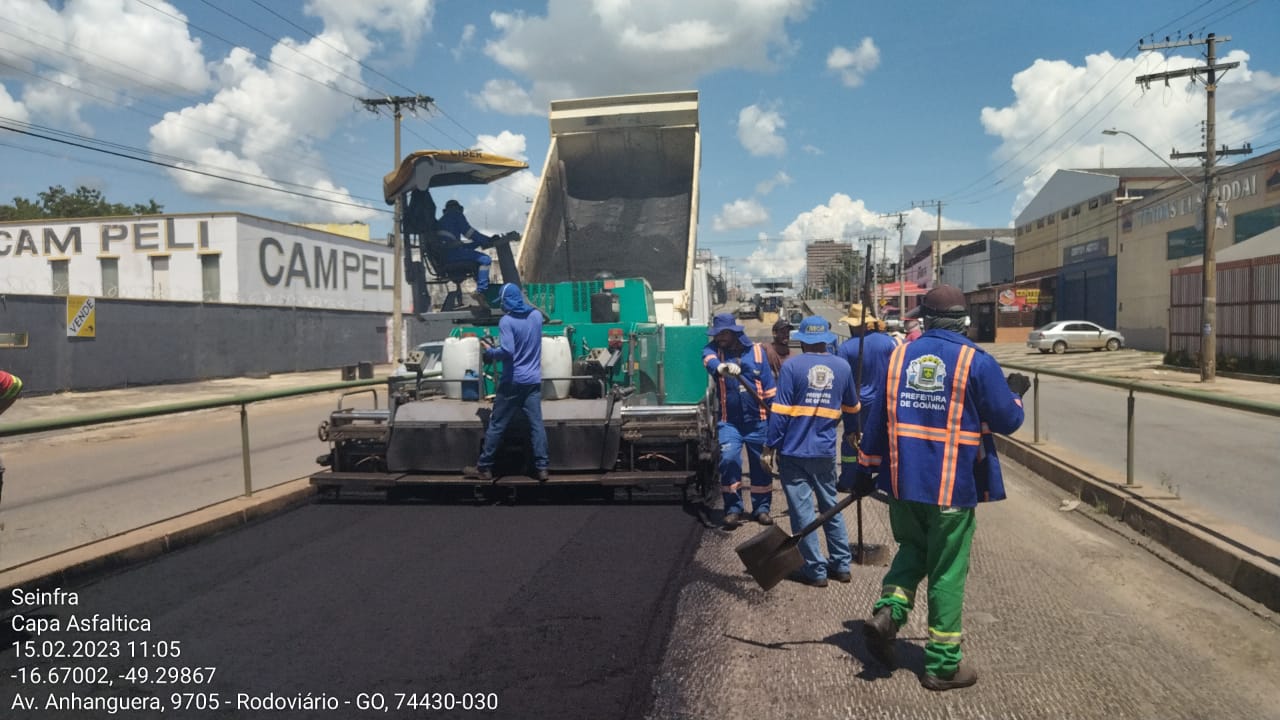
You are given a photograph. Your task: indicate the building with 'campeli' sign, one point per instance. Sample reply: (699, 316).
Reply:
(93, 303)
(216, 257)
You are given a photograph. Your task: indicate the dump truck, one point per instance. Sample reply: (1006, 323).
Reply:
(608, 255)
(619, 198)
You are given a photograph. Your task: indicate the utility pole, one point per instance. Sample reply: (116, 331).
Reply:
(873, 293)
(1209, 279)
(935, 256)
(902, 262)
(413, 102)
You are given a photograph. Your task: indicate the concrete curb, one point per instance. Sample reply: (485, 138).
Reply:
(1234, 563)
(147, 543)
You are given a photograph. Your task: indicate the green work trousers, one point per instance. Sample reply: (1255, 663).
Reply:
(933, 542)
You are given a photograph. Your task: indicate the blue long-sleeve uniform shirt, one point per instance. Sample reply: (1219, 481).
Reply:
(815, 392)
(453, 226)
(737, 406)
(877, 347)
(930, 436)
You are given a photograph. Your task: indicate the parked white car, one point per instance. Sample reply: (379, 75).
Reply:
(1064, 335)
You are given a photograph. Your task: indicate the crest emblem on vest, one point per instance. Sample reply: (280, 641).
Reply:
(926, 374)
(821, 377)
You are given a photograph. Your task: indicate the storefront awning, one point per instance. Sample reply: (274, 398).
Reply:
(908, 288)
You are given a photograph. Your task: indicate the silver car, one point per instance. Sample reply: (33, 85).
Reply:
(1064, 335)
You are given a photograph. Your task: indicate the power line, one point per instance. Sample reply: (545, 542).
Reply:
(188, 169)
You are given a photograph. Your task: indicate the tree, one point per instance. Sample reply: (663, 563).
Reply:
(845, 279)
(56, 202)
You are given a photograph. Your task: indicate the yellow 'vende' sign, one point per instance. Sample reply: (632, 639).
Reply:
(81, 312)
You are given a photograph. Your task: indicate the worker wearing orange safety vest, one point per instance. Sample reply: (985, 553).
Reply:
(745, 387)
(928, 443)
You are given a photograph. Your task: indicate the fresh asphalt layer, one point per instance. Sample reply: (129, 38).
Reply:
(552, 610)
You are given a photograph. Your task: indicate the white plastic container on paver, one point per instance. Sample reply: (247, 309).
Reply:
(557, 362)
(459, 356)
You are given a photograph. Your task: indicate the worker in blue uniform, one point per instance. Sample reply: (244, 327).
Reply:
(871, 346)
(744, 385)
(461, 241)
(928, 444)
(519, 389)
(816, 392)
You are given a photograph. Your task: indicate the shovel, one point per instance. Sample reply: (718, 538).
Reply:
(772, 554)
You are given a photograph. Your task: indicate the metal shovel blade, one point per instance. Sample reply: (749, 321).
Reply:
(771, 556)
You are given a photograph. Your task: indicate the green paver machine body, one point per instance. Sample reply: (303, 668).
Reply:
(638, 412)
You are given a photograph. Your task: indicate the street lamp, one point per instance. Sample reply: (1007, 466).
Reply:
(1208, 267)
(1113, 131)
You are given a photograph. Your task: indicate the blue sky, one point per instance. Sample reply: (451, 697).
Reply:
(818, 116)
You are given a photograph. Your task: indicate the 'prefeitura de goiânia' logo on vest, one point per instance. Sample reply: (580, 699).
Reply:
(926, 373)
(821, 377)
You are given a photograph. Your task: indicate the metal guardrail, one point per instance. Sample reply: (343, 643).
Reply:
(1133, 386)
(243, 401)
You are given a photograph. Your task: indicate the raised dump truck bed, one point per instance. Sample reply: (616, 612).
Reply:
(619, 198)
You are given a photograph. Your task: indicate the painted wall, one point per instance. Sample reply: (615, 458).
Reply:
(145, 342)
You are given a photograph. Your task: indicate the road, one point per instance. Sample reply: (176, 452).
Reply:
(69, 488)
(1223, 461)
(552, 610)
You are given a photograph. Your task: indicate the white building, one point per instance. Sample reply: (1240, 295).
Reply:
(212, 257)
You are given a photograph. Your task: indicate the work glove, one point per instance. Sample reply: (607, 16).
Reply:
(1018, 383)
(729, 369)
(769, 459)
(856, 479)
(852, 439)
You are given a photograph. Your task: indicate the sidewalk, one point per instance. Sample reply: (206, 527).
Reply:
(45, 407)
(1064, 618)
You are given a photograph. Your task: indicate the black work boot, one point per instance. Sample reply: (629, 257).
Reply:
(543, 475)
(879, 632)
(963, 677)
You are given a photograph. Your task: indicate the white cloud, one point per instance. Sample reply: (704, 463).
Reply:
(10, 108)
(95, 52)
(505, 96)
(1060, 109)
(505, 205)
(464, 41)
(740, 214)
(506, 143)
(269, 120)
(767, 186)
(853, 64)
(840, 218)
(812, 149)
(356, 20)
(758, 131)
(618, 46)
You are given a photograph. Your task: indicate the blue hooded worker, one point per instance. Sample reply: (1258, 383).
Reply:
(744, 385)
(462, 240)
(928, 443)
(519, 350)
